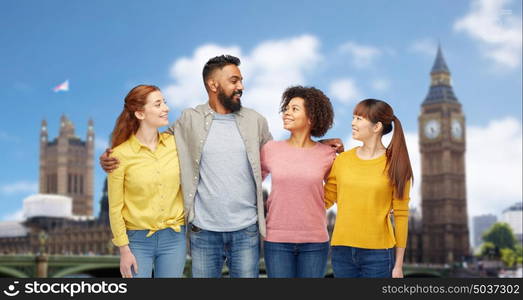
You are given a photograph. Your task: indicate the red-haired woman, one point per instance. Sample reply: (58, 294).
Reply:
(145, 198)
(367, 182)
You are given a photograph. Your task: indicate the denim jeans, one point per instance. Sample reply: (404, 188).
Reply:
(164, 251)
(296, 260)
(359, 262)
(239, 249)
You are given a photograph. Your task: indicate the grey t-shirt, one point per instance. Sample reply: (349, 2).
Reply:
(226, 194)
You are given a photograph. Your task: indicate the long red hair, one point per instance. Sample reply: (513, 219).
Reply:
(398, 165)
(127, 124)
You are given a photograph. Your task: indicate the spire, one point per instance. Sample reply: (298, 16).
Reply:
(439, 64)
(90, 131)
(43, 128)
(66, 127)
(103, 216)
(43, 132)
(440, 87)
(90, 127)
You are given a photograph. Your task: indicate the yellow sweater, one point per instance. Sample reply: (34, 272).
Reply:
(365, 199)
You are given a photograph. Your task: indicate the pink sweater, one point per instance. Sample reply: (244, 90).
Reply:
(296, 209)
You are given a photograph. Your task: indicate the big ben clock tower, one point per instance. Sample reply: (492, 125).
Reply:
(445, 232)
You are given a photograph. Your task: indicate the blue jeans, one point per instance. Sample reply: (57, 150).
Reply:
(296, 260)
(239, 249)
(359, 262)
(164, 251)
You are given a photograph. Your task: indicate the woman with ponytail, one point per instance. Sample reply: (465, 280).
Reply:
(368, 183)
(145, 198)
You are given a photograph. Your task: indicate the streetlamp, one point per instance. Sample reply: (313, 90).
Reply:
(42, 238)
(41, 258)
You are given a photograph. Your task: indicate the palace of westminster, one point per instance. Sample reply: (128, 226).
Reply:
(62, 212)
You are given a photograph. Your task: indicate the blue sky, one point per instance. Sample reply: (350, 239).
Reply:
(349, 49)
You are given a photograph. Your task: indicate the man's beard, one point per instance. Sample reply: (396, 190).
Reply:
(228, 103)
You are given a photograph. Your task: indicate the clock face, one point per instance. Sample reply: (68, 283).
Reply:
(456, 129)
(432, 129)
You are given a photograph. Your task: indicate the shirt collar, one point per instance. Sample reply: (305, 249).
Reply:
(136, 145)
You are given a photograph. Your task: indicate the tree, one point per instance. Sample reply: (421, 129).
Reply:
(508, 257)
(489, 251)
(501, 235)
(519, 254)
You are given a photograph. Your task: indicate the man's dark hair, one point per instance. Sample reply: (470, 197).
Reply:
(317, 106)
(218, 62)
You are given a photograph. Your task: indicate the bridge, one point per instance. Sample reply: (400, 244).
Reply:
(60, 266)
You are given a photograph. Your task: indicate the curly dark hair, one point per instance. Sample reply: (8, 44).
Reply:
(317, 106)
(218, 62)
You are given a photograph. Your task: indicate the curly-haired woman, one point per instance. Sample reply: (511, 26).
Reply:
(297, 242)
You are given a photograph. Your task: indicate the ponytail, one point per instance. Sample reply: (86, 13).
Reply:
(399, 169)
(127, 124)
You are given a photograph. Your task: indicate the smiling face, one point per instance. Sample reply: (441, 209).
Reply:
(229, 87)
(295, 117)
(363, 129)
(155, 112)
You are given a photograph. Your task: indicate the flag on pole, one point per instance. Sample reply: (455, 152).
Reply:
(64, 86)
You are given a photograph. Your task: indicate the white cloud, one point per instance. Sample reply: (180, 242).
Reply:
(412, 140)
(19, 187)
(497, 29)
(362, 55)
(425, 46)
(380, 85)
(345, 90)
(268, 69)
(494, 166)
